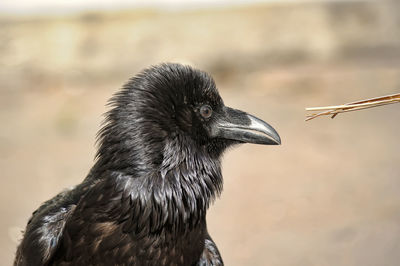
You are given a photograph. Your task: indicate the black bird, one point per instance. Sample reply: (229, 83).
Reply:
(144, 202)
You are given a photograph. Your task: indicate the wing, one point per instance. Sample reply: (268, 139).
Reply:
(44, 230)
(94, 233)
(210, 255)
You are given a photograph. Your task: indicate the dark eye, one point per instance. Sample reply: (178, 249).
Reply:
(205, 111)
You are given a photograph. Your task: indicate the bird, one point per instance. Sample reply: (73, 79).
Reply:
(156, 172)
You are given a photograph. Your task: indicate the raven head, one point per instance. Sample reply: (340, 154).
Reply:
(172, 101)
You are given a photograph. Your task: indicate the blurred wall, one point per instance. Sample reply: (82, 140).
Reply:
(95, 46)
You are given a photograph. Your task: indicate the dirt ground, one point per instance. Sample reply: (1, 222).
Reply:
(329, 195)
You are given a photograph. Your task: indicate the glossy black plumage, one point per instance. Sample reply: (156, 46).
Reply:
(144, 202)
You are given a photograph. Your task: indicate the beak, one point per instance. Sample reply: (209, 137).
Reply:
(237, 125)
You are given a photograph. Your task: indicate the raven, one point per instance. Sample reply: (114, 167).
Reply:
(156, 172)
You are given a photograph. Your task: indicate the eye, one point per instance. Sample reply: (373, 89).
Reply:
(206, 111)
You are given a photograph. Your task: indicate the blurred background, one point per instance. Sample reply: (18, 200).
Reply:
(330, 195)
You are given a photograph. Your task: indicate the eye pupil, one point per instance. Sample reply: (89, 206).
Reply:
(205, 111)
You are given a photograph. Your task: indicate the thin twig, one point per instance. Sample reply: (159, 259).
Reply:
(353, 106)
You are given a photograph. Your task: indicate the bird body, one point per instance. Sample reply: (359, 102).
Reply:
(144, 202)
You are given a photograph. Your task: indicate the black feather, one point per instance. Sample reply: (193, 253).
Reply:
(144, 201)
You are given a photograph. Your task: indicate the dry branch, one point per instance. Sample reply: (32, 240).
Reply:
(353, 106)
